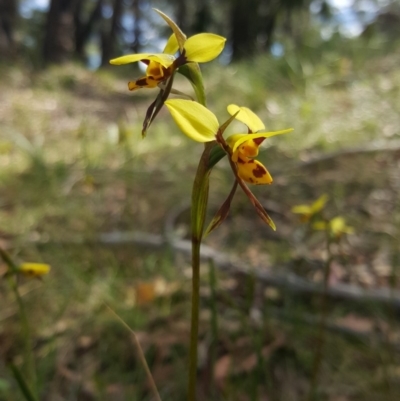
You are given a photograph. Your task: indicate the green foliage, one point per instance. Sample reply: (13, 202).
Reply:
(67, 176)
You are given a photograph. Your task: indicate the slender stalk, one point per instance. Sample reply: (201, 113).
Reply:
(26, 333)
(140, 353)
(22, 383)
(194, 323)
(214, 323)
(198, 213)
(322, 323)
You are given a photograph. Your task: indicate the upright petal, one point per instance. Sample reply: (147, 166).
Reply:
(204, 47)
(180, 36)
(246, 116)
(172, 45)
(194, 120)
(319, 204)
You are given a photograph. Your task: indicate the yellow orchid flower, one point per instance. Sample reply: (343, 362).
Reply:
(199, 48)
(201, 125)
(34, 269)
(337, 227)
(245, 146)
(308, 211)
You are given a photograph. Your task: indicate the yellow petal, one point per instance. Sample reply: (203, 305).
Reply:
(319, 204)
(180, 36)
(302, 209)
(194, 120)
(254, 172)
(241, 138)
(338, 226)
(204, 47)
(34, 269)
(231, 140)
(164, 59)
(246, 116)
(172, 45)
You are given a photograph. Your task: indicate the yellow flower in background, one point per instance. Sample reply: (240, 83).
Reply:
(201, 125)
(199, 48)
(34, 269)
(336, 226)
(308, 211)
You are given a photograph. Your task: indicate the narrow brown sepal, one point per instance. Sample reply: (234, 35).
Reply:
(157, 105)
(222, 213)
(257, 205)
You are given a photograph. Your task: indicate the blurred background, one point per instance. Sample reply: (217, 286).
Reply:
(81, 190)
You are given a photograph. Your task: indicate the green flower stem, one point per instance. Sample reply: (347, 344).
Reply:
(322, 323)
(22, 383)
(198, 213)
(26, 334)
(214, 324)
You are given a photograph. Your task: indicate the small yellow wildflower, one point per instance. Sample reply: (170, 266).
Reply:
(34, 269)
(337, 227)
(308, 211)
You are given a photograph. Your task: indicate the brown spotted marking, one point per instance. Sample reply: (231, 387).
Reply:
(141, 82)
(259, 171)
(258, 141)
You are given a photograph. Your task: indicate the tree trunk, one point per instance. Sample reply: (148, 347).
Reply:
(203, 17)
(8, 13)
(84, 30)
(60, 31)
(136, 26)
(244, 23)
(181, 15)
(109, 38)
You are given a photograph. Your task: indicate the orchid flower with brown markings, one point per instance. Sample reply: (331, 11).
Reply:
(201, 125)
(161, 67)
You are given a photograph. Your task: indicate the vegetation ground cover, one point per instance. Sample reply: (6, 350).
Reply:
(73, 166)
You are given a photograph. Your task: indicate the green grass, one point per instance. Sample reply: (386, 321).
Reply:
(73, 165)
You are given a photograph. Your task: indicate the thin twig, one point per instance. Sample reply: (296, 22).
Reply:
(140, 353)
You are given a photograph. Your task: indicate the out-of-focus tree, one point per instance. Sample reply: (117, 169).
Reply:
(8, 13)
(254, 23)
(181, 14)
(109, 33)
(65, 30)
(136, 26)
(87, 16)
(59, 40)
(244, 27)
(203, 17)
